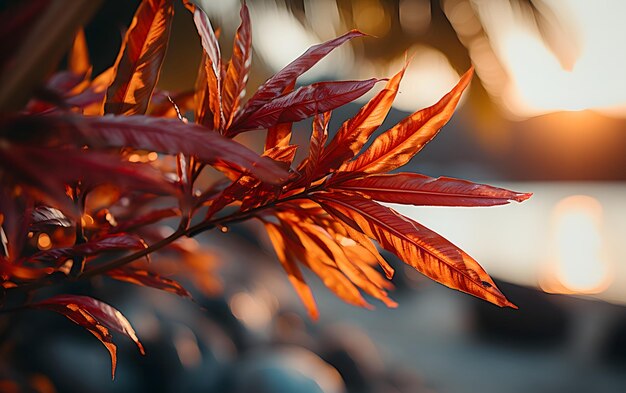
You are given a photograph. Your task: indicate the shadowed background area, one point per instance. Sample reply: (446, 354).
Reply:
(545, 113)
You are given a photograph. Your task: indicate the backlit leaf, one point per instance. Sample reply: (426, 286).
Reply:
(78, 59)
(291, 268)
(308, 252)
(234, 88)
(416, 245)
(417, 189)
(139, 62)
(213, 67)
(275, 86)
(399, 144)
(355, 132)
(303, 103)
(95, 316)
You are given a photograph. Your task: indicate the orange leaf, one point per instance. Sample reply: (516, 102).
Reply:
(399, 144)
(366, 243)
(139, 61)
(291, 268)
(416, 245)
(234, 88)
(213, 67)
(78, 58)
(316, 146)
(355, 132)
(309, 253)
(352, 269)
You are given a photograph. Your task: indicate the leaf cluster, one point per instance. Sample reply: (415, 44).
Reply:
(94, 162)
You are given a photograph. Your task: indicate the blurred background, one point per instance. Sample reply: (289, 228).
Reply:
(545, 113)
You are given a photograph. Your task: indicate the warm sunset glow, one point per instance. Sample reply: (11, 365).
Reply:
(538, 80)
(580, 265)
(428, 77)
(294, 39)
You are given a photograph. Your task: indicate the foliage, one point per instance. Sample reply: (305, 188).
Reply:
(69, 165)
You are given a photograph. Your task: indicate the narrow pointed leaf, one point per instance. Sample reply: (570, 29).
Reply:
(355, 132)
(293, 271)
(366, 243)
(148, 279)
(274, 86)
(351, 269)
(310, 253)
(234, 88)
(417, 189)
(202, 114)
(304, 102)
(78, 60)
(139, 62)
(399, 144)
(416, 245)
(319, 135)
(213, 67)
(50, 169)
(162, 135)
(146, 219)
(95, 316)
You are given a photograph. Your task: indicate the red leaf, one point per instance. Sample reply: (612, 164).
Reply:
(49, 169)
(148, 279)
(234, 88)
(213, 67)
(146, 219)
(139, 61)
(416, 245)
(417, 189)
(303, 103)
(399, 144)
(154, 134)
(275, 86)
(95, 316)
(280, 134)
(355, 132)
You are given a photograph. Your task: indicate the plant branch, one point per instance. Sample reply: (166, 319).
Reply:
(180, 232)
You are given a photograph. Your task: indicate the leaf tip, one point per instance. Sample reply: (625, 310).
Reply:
(521, 197)
(511, 305)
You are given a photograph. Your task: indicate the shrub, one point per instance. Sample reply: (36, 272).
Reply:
(85, 176)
